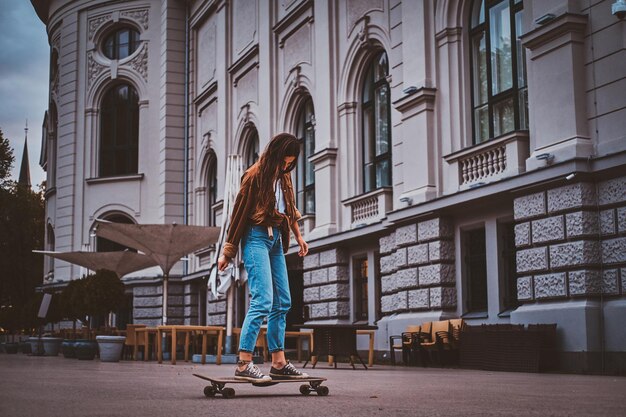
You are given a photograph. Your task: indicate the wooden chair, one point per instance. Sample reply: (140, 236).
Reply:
(403, 342)
(438, 340)
(133, 339)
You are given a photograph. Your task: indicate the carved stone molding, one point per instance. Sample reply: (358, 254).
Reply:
(141, 16)
(95, 23)
(94, 69)
(140, 62)
(54, 82)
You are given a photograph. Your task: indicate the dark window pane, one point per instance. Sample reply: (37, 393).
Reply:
(382, 119)
(501, 55)
(383, 173)
(121, 43)
(476, 269)
(479, 68)
(503, 117)
(478, 13)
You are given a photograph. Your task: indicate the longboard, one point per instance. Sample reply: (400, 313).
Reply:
(218, 385)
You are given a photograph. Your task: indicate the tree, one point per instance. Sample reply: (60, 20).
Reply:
(105, 293)
(6, 160)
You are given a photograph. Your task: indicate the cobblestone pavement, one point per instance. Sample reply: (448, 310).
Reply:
(55, 386)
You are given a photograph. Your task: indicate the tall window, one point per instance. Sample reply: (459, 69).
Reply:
(305, 184)
(106, 245)
(376, 117)
(499, 91)
(361, 310)
(211, 189)
(475, 269)
(251, 151)
(119, 131)
(121, 43)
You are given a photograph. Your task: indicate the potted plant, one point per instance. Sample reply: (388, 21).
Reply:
(105, 294)
(84, 349)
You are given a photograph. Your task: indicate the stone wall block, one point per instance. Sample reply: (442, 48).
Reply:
(436, 228)
(394, 302)
(614, 250)
(607, 222)
(406, 235)
(621, 220)
(528, 206)
(147, 291)
(581, 223)
(585, 282)
(534, 259)
(387, 264)
(339, 309)
(319, 276)
(525, 288)
(582, 194)
(522, 234)
(334, 291)
(582, 252)
(623, 276)
(419, 299)
(400, 258)
(388, 283)
(418, 254)
(548, 230)
(442, 297)
(612, 191)
(216, 320)
(338, 273)
(387, 244)
(312, 260)
(318, 311)
(610, 282)
(217, 307)
(141, 313)
(333, 256)
(436, 274)
(550, 285)
(441, 250)
(147, 301)
(311, 295)
(306, 277)
(406, 278)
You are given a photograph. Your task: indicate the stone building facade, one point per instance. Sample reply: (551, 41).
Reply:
(461, 158)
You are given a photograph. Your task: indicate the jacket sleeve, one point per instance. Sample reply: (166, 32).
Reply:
(239, 218)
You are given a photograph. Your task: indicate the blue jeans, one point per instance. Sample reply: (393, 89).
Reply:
(268, 282)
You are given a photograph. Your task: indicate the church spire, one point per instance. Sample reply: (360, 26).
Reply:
(25, 168)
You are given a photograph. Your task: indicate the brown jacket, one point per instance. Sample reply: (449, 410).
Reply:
(246, 212)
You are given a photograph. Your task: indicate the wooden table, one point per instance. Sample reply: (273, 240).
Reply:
(336, 340)
(148, 331)
(188, 330)
(299, 336)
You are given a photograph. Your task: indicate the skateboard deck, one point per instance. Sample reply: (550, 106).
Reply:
(218, 385)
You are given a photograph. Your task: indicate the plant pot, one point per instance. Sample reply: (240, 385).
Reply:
(10, 348)
(68, 348)
(51, 345)
(85, 349)
(36, 348)
(110, 347)
(24, 347)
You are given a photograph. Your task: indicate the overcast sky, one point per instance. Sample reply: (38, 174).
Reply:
(24, 63)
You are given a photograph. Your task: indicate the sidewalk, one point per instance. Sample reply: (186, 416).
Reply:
(54, 386)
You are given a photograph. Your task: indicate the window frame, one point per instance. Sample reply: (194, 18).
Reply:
(211, 196)
(358, 281)
(251, 143)
(134, 39)
(373, 87)
(513, 92)
(112, 145)
(468, 293)
(304, 124)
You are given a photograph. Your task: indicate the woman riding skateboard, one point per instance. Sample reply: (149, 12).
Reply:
(263, 215)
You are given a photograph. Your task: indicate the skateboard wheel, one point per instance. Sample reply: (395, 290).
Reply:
(304, 389)
(209, 391)
(322, 391)
(228, 393)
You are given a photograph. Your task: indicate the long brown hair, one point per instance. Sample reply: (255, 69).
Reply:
(270, 166)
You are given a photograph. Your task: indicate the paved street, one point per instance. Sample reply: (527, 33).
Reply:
(54, 386)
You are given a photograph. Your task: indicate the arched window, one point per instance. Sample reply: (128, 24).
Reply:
(50, 244)
(499, 92)
(376, 117)
(119, 131)
(211, 189)
(251, 149)
(121, 43)
(305, 181)
(106, 245)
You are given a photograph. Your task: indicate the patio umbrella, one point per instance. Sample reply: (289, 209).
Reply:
(122, 262)
(164, 243)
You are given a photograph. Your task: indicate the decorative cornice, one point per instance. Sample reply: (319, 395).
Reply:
(94, 68)
(563, 24)
(292, 17)
(324, 154)
(424, 96)
(140, 16)
(95, 23)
